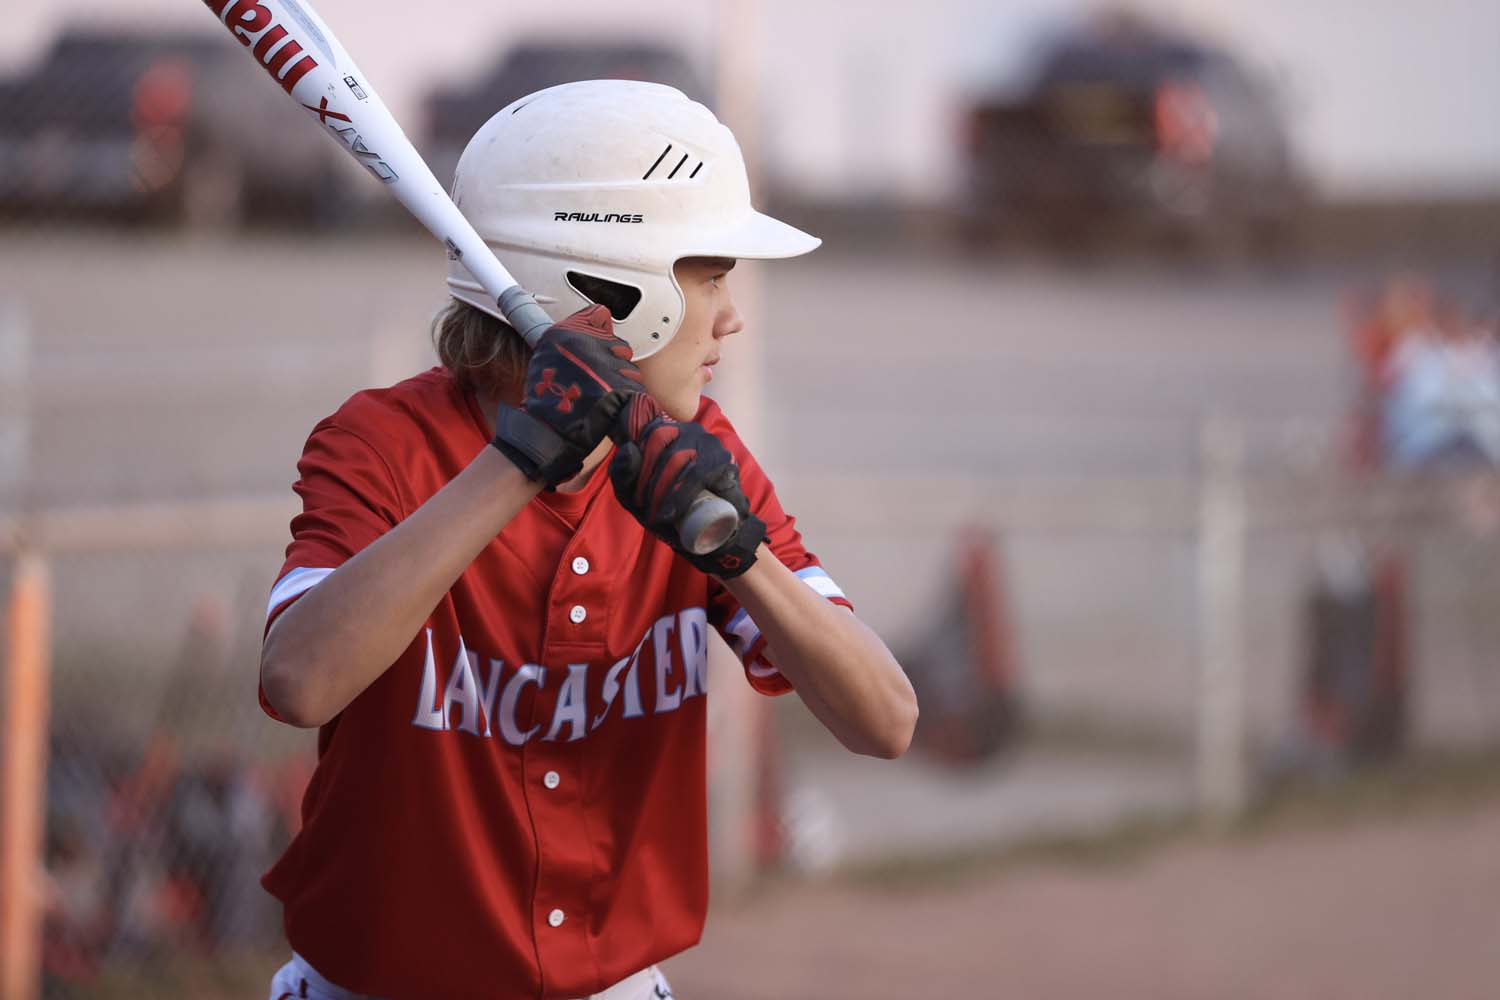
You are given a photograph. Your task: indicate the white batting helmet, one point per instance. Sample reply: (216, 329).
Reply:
(591, 191)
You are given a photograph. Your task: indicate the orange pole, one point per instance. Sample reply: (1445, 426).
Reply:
(23, 757)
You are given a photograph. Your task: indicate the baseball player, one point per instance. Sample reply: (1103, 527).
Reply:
(485, 608)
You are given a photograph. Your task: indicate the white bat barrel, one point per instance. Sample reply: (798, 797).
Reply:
(305, 58)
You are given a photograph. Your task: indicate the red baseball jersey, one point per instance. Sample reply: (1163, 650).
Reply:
(517, 807)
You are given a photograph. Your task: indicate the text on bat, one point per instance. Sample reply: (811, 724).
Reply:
(275, 49)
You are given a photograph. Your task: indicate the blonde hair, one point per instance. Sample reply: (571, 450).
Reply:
(486, 355)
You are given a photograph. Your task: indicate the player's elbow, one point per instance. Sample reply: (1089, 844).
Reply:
(890, 736)
(284, 683)
(288, 699)
(895, 737)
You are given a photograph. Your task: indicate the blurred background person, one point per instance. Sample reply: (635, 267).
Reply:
(1442, 405)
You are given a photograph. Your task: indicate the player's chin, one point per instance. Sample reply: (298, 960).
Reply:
(683, 405)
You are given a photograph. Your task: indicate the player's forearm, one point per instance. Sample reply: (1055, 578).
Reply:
(840, 668)
(345, 632)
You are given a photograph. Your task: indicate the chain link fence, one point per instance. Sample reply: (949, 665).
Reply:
(1172, 648)
(167, 795)
(152, 455)
(1161, 618)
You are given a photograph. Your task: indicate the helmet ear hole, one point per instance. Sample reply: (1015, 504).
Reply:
(619, 298)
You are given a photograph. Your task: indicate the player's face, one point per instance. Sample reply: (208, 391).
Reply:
(676, 374)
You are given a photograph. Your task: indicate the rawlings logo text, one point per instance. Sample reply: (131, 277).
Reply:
(595, 217)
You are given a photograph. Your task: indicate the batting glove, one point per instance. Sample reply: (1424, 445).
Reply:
(578, 380)
(662, 465)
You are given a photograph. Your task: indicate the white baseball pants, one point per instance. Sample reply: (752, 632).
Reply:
(297, 980)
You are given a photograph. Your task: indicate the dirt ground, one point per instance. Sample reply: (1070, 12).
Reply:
(1401, 907)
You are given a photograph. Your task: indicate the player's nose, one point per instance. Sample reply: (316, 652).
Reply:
(730, 321)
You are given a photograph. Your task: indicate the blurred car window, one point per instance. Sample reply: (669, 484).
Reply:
(161, 128)
(1127, 130)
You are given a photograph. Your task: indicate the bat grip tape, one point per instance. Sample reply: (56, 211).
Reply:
(523, 314)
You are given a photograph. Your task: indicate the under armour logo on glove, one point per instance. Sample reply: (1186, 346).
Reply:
(579, 377)
(566, 396)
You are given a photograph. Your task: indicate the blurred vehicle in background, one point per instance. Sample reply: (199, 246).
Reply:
(1127, 130)
(159, 127)
(454, 115)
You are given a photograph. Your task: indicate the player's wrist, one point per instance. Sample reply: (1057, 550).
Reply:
(534, 447)
(738, 555)
(501, 475)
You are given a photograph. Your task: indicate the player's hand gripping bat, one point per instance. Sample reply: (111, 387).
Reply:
(293, 44)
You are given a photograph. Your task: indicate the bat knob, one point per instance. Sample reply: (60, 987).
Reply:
(709, 523)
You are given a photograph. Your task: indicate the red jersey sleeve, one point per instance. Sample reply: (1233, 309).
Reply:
(349, 499)
(785, 542)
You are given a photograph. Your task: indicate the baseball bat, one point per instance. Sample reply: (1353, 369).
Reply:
(291, 42)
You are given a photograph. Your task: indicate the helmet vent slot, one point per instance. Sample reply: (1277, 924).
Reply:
(619, 298)
(682, 162)
(663, 156)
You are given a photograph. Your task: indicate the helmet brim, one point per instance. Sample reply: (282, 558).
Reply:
(754, 237)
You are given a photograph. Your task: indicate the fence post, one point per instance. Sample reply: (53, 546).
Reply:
(15, 356)
(23, 757)
(1221, 765)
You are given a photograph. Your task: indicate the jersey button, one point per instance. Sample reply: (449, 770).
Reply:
(578, 614)
(580, 565)
(555, 918)
(551, 779)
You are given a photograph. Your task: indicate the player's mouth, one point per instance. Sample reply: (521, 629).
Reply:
(707, 368)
